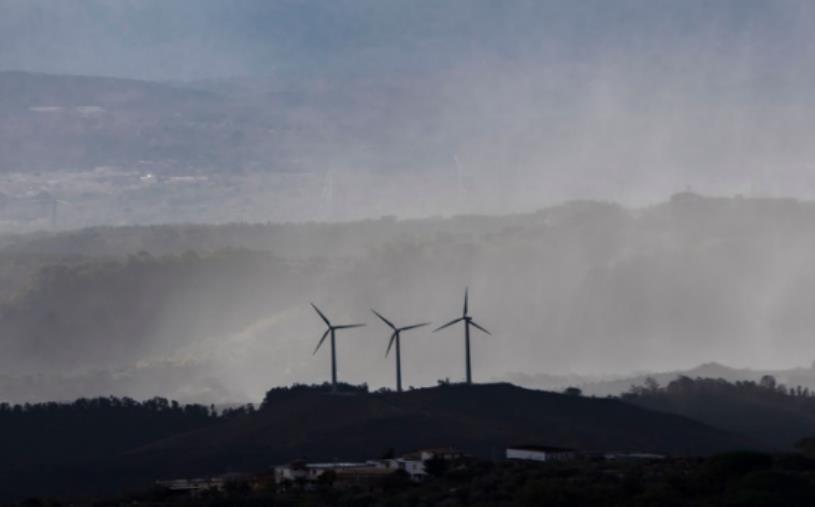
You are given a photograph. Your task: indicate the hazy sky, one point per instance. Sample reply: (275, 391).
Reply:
(543, 100)
(186, 39)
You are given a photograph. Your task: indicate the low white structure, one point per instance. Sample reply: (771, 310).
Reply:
(201, 485)
(192, 486)
(300, 471)
(632, 456)
(413, 464)
(540, 453)
(413, 467)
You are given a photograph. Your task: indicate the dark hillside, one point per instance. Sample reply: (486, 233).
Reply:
(90, 428)
(480, 419)
(314, 424)
(47, 447)
(764, 410)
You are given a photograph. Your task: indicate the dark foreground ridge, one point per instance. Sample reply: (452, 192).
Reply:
(312, 423)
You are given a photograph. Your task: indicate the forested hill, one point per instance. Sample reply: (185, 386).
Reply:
(55, 433)
(766, 411)
(477, 418)
(40, 444)
(109, 445)
(100, 446)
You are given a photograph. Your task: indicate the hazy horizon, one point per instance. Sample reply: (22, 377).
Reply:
(453, 107)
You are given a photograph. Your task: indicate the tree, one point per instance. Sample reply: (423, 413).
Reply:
(768, 382)
(806, 446)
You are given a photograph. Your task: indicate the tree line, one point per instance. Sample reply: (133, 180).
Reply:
(92, 428)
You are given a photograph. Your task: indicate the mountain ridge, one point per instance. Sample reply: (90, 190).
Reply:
(619, 384)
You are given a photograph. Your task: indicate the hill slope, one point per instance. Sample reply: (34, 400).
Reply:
(479, 419)
(766, 411)
(313, 424)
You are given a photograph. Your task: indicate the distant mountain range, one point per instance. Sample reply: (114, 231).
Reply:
(299, 108)
(83, 150)
(614, 386)
(75, 123)
(78, 123)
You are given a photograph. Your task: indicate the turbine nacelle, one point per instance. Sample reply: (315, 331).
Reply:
(465, 317)
(331, 328)
(397, 331)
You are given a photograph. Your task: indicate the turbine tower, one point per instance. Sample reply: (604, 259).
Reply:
(396, 338)
(331, 331)
(468, 321)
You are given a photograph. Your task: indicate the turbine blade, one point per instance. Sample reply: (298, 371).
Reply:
(322, 316)
(466, 299)
(414, 326)
(449, 324)
(320, 343)
(349, 326)
(386, 321)
(390, 343)
(479, 327)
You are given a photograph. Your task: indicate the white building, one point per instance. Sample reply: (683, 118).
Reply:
(632, 456)
(200, 485)
(413, 467)
(300, 471)
(192, 486)
(412, 464)
(540, 453)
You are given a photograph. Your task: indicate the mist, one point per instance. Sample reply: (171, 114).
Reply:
(469, 106)
(396, 153)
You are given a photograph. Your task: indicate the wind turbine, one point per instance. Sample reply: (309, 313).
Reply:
(468, 321)
(331, 331)
(395, 338)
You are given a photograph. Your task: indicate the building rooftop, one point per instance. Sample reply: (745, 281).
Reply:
(337, 465)
(540, 448)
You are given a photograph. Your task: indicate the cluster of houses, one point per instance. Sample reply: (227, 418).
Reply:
(414, 465)
(301, 473)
